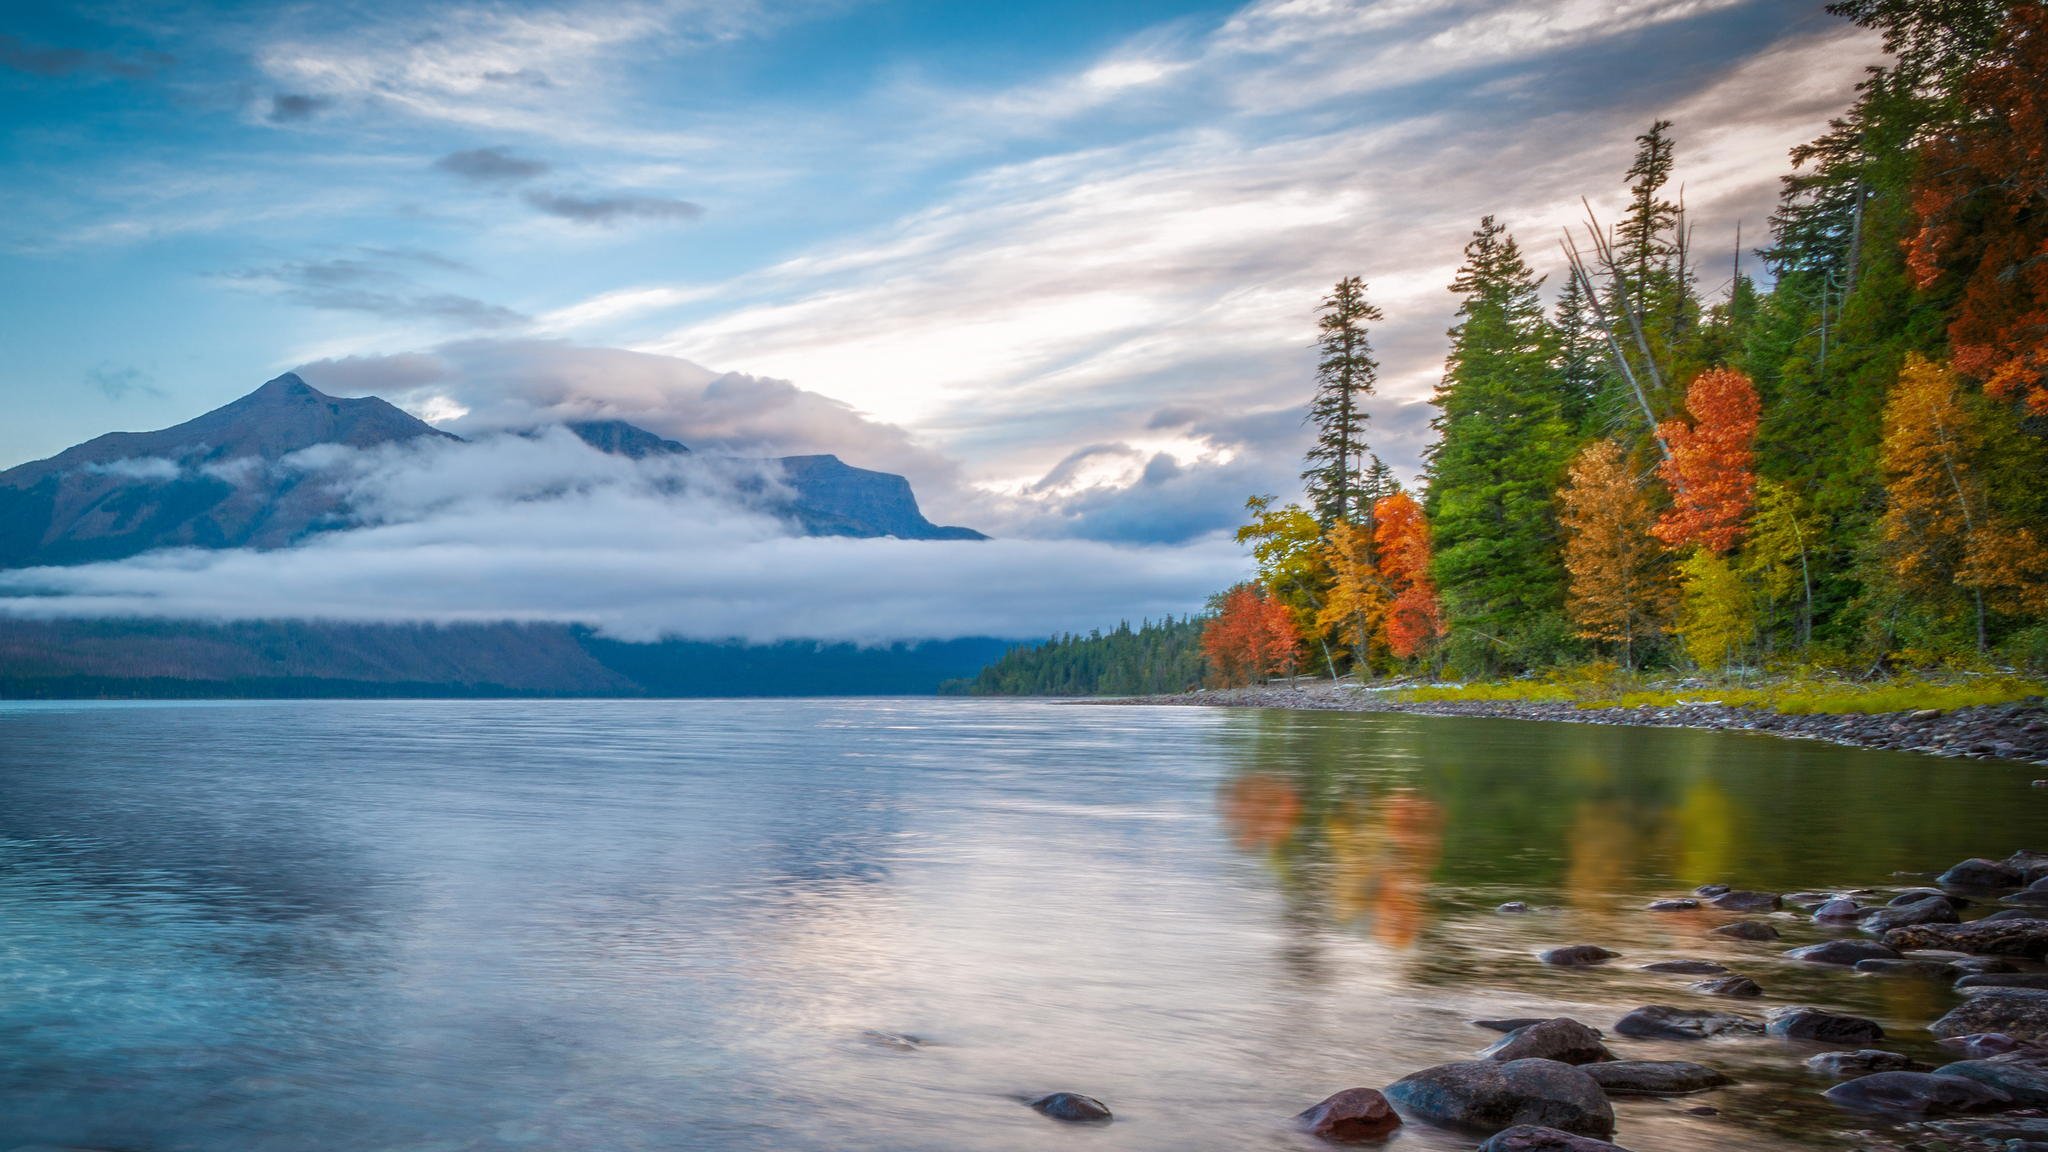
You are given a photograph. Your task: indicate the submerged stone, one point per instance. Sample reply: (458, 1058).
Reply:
(1072, 1107)
(1354, 1114)
(1730, 986)
(1487, 1096)
(1916, 1094)
(1562, 1039)
(1663, 1022)
(1822, 1027)
(1843, 952)
(1688, 967)
(1654, 1077)
(1536, 1138)
(1842, 1065)
(1576, 956)
(1748, 901)
(1747, 930)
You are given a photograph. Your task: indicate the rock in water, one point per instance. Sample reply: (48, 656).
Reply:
(2029, 864)
(1843, 952)
(1512, 908)
(1662, 1022)
(1978, 1045)
(1982, 873)
(1843, 1065)
(1487, 1096)
(2020, 1075)
(1711, 890)
(2003, 980)
(1576, 956)
(1840, 910)
(1072, 1107)
(1680, 905)
(1916, 1093)
(1351, 1115)
(1563, 1039)
(2021, 1013)
(1930, 969)
(1933, 910)
(1916, 895)
(1536, 1138)
(2019, 937)
(1822, 1027)
(1510, 1023)
(1730, 986)
(1654, 1077)
(1747, 930)
(1688, 967)
(1748, 902)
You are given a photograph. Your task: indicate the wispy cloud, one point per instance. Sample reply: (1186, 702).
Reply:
(491, 165)
(612, 209)
(296, 107)
(18, 55)
(372, 283)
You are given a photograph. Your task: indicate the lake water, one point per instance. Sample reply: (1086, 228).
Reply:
(675, 924)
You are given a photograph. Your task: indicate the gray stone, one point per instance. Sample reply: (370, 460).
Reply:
(2031, 898)
(2003, 980)
(1711, 890)
(1821, 1027)
(1933, 910)
(1509, 1024)
(2019, 1075)
(1843, 952)
(1671, 905)
(1982, 873)
(1576, 956)
(2021, 1013)
(1563, 1039)
(1351, 1115)
(1748, 901)
(1663, 1022)
(1072, 1107)
(1841, 910)
(1916, 895)
(1916, 1094)
(2028, 937)
(1512, 908)
(1729, 986)
(1862, 1062)
(1688, 967)
(1536, 1138)
(1926, 969)
(1654, 1077)
(1747, 930)
(1487, 1096)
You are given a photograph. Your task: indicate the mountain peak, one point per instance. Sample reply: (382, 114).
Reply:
(287, 386)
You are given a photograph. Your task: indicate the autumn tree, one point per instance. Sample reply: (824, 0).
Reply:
(1712, 467)
(1250, 637)
(1414, 619)
(1357, 599)
(1983, 207)
(1345, 377)
(1620, 591)
(1779, 555)
(1716, 615)
(1287, 547)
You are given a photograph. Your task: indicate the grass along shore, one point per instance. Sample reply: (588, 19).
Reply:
(1986, 717)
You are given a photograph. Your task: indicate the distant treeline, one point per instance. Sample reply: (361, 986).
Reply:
(1156, 657)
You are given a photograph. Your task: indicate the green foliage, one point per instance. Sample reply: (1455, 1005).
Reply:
(1153, 659)
(1716, 619)
(1596, 686)
(1345, 377)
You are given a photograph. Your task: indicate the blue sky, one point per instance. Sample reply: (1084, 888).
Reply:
(1056, 261)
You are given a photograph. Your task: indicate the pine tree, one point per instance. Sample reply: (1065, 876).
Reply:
(1581, 354)
(1345, 377)
(1501, 451)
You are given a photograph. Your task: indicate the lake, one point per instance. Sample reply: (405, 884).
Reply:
(711, 924)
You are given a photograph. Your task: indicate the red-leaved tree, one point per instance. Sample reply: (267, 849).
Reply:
(1252, 636)
(1712, 468)
(1415, 618)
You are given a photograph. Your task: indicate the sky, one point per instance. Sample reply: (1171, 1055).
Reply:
(1057, 262)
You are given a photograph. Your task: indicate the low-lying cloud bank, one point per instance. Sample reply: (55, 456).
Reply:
(546, 529)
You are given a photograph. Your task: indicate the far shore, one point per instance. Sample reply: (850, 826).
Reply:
(2017, 731)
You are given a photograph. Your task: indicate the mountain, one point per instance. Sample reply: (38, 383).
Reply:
(203, 484)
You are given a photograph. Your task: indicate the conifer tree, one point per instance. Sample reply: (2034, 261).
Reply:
(1501, 450)
(1345, 377)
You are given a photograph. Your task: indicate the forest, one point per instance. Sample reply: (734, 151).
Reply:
(1838, 464)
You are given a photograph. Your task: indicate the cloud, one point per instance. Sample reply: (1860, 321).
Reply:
(612, 209)
(491, 165)
(119, 383)
(545, 529)
(294, 107)
(149, 468)
(372, 284)
(18, 55)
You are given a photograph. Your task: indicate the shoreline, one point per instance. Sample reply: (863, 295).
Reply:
(2015, 732)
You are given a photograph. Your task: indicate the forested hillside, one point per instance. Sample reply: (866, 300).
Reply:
(1153, 658)
(1829, 452)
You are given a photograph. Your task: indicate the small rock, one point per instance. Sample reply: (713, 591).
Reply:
(2021, 1013)
(1748, 902)
(1688, 967)
(1730, 986)
(1663, 1022)
(1072, 1107)
(1916, 895)
(1840, 910)
(1928, 969)
(1821, 1027)
(1488, 1096)
(2029, 898)
(1981, 1044)
(1654, 1077)
(1747, 930)
(1862, 1062)
(2019, 1075)
(1351, 1115)
(2031, 865)
(1843, 952)
(1509, 1024)
(1987, 937)
(1709, 891)
(896, 1041)
(1982, 874)
(1932, 910)
(1983, 964)
(1576, 956)
(2003, 980)
(1563, 1039)
(1512, 908)
(1536, 1138)
(2010, 914)
(1916, 1093)
(1680, 905)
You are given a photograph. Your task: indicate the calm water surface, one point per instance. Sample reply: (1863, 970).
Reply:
(672, 925)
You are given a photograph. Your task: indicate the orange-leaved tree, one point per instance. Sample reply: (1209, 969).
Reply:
(1252, 636)
(1983, 207)
(1620, 589)
(1356, 602)
(1415, 618)
(1712, 466)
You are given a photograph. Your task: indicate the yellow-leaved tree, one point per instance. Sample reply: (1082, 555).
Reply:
(1356, 603)
(1716, 617)
(1287, 545)
(1620, 585)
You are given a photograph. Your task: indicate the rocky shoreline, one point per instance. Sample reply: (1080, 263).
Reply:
(2003, 731)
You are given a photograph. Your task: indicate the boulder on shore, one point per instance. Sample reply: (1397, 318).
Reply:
(1576, 956)
(1351, 1115)
(1822, 1027)
(1536, 1138)
(1916, 1094)
(2021, 1013)
(1072, 1107)
(2017, 937)
(1488, 1096)
(1654, 1077)
(1563, 1039)
(1663, 1022)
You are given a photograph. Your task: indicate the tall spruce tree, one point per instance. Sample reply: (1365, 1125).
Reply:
(1502, 450)
(1345, 377)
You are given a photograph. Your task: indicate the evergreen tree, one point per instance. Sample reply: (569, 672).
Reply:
(1581, 354)
(1502, 449)
(1345, 377)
